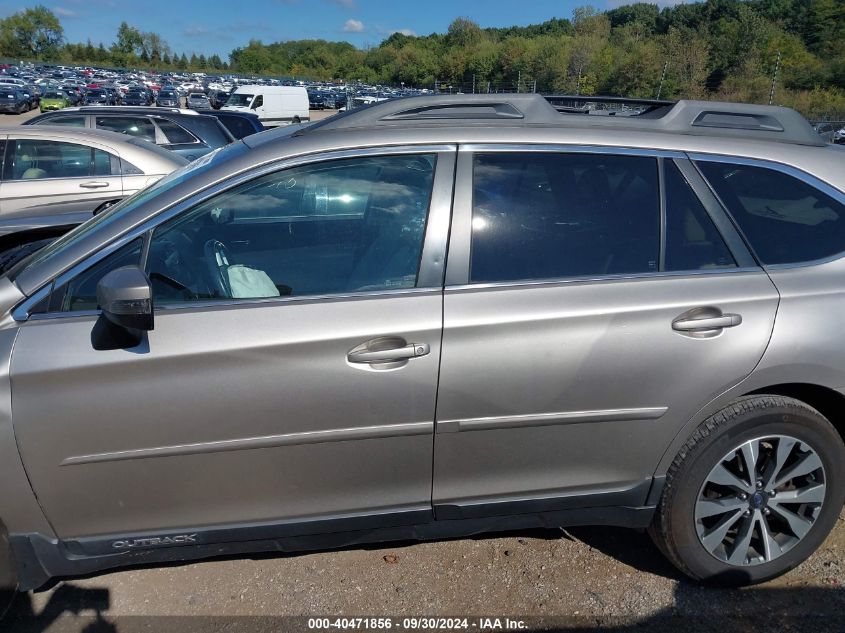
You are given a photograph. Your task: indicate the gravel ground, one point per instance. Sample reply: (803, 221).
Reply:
(587, 576)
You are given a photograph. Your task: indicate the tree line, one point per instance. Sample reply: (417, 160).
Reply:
(789, 51)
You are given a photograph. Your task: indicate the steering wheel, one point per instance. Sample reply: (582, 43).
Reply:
(217, 259)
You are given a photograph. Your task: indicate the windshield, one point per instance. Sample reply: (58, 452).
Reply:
(5, 94)
(54, 95)
(240, 99)
(129, 204)
(166, 94)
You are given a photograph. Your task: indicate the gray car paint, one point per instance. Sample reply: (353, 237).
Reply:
(622, 399)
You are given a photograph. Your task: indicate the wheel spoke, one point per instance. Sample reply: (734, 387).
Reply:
(711, 507)
(785, 445)
(771, 549)
(808, 494)
(715, 536)
(739, 552)
(808, 464)
(723, 477)
(750, 451)
(799, 525)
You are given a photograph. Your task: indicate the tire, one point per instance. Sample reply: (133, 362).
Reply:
(776, 540)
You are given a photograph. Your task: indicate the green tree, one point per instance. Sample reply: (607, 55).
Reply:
(34, 33)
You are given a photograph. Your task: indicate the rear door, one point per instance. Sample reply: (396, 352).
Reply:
(592, 306)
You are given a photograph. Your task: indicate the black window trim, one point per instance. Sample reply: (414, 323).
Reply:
(458, 265)
(807, 178)
(430, 273)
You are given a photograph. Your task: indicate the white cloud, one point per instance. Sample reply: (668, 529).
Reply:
(353, 26)
(64, 13)
(407, 32)
(195, 31)
(346, 4)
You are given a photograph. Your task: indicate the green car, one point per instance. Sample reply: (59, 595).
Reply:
(54, 101)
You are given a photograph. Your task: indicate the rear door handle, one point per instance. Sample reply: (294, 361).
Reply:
(96, 184)
(707, 323)
(411, 350)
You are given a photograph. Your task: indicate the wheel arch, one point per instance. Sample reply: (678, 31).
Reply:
(828, 401)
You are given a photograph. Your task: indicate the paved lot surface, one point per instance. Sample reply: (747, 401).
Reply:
(588, 576)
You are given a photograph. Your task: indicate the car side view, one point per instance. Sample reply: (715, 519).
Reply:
(434, 317)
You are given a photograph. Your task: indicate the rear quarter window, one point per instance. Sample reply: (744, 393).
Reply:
(785, 219)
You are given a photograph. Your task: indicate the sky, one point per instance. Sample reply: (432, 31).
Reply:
(218, 26)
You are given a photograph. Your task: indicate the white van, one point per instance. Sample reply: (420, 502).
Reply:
(274, 105)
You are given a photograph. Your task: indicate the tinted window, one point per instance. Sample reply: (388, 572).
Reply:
(175, 133)
(140, 127)
(81, 292)
(692, 240)
(32, 159)
(785, 219)
(259, 101)
(238, 126)
(71, 121)
(544, 216)
(343, 226)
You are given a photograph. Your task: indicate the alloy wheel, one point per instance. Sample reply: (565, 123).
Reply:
(760, 500)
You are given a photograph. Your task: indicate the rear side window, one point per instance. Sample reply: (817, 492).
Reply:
(140, 127)
(175, 134)
(547, 216)
(692, 240)
(785, 220)
(238, 126)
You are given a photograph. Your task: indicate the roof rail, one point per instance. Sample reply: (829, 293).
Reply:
(698, 118)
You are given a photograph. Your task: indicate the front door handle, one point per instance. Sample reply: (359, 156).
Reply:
(96, 184)
(707, 323)
(391, 355)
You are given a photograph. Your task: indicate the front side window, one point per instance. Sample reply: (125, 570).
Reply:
(785, 219)
(343, 226)
(36, 159)
(259, 101)
(81, 292)
(140, 127)
(549, 215)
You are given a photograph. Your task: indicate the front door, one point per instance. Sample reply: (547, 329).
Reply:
(599, 309)
(43, 178)
(291, 375)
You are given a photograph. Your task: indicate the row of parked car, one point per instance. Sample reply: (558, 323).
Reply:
(62, 166)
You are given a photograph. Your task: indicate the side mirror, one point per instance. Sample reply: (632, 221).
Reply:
(126, 299)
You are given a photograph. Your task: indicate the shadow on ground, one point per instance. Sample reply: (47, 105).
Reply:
(75, 609)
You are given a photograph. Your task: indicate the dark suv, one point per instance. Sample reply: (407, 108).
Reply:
(188, 134)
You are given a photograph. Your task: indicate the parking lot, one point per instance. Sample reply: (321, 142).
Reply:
(587, 575)
(17, 119)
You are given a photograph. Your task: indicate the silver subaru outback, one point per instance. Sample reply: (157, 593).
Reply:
(435, 317)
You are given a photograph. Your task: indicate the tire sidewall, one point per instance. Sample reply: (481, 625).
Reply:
(801, 424)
